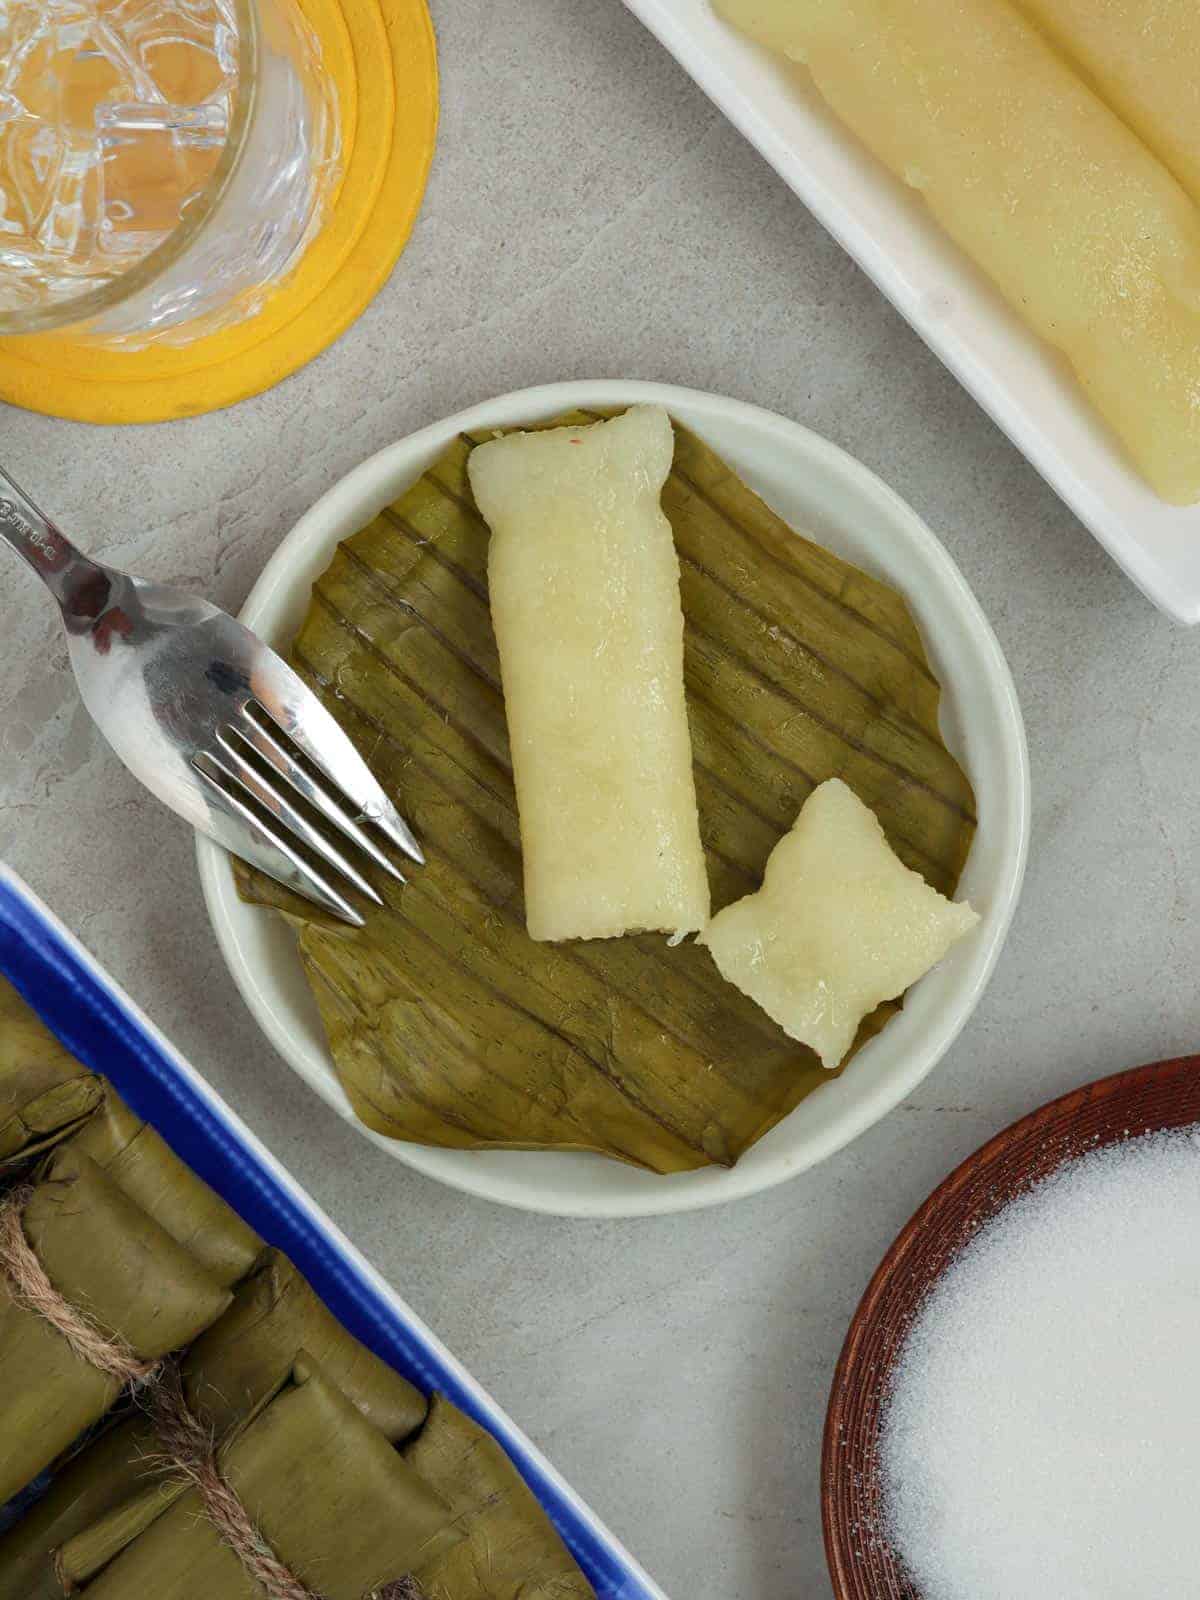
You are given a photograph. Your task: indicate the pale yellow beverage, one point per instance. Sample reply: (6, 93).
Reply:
(126, 127)
(1077, 223)
(113, 119)
(1143, 57)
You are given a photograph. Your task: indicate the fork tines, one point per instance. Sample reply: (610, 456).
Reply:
(322, 774)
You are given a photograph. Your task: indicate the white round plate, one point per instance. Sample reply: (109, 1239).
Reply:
(821, 491)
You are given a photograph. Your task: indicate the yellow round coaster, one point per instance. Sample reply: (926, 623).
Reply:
(370, 47)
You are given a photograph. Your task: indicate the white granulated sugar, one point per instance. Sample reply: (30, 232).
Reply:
(1042, 1436)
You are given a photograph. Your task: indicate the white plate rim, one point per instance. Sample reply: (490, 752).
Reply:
(670, 1194)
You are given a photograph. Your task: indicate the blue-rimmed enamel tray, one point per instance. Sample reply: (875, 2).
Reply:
(102, 1027)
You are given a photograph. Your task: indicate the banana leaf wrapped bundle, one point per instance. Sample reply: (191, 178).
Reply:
(227, 1375)
(305, 1420)
(494, 1541)
(144, 1167)
(231, 1369)
(105, 1257)
(334, 1502)
(509, 1549)
(447, 1024)
(44, 1091)
(47, 1098)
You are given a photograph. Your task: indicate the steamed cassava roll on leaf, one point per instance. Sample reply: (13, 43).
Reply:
(1080, 227)
(509, 1549)
(106, 1257)
(839, 925)
(332, 1499)
(228, 1374)
(447, 1024)
(584, 588)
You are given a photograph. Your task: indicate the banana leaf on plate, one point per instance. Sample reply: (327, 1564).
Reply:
(447, 1024)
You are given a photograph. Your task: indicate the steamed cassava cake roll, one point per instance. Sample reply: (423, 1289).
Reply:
(1082, 228)
(584, 587)
(1142, 57)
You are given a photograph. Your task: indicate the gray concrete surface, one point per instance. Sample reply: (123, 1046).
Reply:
(590, 214)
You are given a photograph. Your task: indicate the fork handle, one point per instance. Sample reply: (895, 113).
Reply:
(80, 586)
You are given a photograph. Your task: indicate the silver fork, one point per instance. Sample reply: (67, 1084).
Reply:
(212, 721)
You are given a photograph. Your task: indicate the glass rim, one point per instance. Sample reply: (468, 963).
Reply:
(116, 291)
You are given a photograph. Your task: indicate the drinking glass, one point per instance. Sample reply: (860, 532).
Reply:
(163, 163)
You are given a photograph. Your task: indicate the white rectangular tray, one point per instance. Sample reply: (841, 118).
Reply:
(887, 230)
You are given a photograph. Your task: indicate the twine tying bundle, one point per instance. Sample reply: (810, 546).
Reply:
(188, 1447)
(31, 1288)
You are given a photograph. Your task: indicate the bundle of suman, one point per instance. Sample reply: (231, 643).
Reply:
(341, 1475)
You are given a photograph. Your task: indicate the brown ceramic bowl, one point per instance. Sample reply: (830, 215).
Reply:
(1163, 1095)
